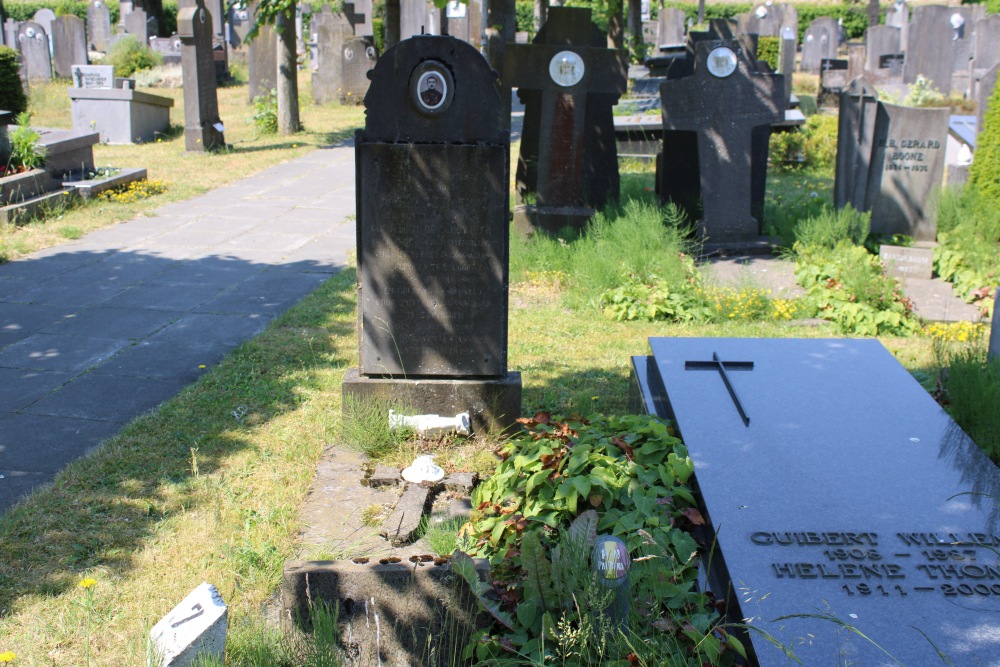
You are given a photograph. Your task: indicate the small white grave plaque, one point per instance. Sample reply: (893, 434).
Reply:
(455, 9)
(566, 68)
(721, 62)
(903, 262)
(93, 76)
(197, 626)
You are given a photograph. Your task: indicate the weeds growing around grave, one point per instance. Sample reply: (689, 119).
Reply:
(968, 251)
(971, 390)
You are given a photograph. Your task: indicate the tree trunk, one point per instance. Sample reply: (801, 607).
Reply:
(616, 25)
(288, 84)
(392, 19)
(635, 29)
(501, 26)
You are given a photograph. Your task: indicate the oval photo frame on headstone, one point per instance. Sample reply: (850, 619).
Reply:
(566, 68)
(721, 62)
(431, 88)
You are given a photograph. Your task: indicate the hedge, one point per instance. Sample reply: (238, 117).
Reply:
(12, 97)
(24, 10)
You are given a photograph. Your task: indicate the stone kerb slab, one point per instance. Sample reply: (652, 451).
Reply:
(120, 115)
(907, 169)
(98, 26)
(194, 629)
(69, 43)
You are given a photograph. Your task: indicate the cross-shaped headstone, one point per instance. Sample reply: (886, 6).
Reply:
(722, 102)
(359, 13)
(722, 366)
(568, 82)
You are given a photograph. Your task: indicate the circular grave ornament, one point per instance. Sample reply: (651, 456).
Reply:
(566, 68)
(611, 560)
(423, 469)
(721, 62)
(431, 88)
(348, 53)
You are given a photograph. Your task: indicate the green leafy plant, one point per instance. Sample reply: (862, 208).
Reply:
(559, 485)
(968, 242)
(767, 51)
(971, 384)
(128, 55)
(984, 173)
(265, 112)
(923, 94)
(12, 97)
(25, 153)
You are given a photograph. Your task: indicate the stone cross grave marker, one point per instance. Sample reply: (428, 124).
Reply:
(898, 16)
(568, 81)
(98, 26)
(432, 236)
(855, 133)
(878, 512)
(820, 41)
(722, 102)
(93, 76)
(34, 47)
(194, 629)
(69, 41)
(238, 23)
(908, 153)
(203, 131)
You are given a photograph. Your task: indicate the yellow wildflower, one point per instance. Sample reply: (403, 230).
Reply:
(7, 656)
(87, 583)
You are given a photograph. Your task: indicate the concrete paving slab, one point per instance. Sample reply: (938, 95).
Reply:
(110, 398)
(163, 297)
(105, 322)
(59, 353)
(205, 274)
(934, 300)
(216, 223)
(70, 293)
(39, 270)
(186, 360)
(253, 210)
(45, 444)
(210, 330)
(121, 269)
(192, 207)
(187, 237)
(20, 388)
(267, 293)
(20, 320)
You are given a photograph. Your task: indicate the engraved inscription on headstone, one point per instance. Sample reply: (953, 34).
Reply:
(903, 262)
(93, 76)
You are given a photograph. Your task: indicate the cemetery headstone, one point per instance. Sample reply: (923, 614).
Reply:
(820, 42)
(140, 25)
(262, 60)
(342, 62)
(168, 47)
(938, 45)
(34, 47)
(98, 26)
(417, 17)
(463, 20)
(725, 133)
(880, 40)
(764, 20)
(360, 14)
(985, 53)
(879, 513)
(203, 131)
(10, 27)
(898, 16)
(855, 134)
(786, 61)
(121, 114)
(69, 41)
(908, 155)
(670, 28)
(432, 235)
(856, 54)
(239, 22)
(568, 81)
(93, 76)
(193, 631)
(44, 17)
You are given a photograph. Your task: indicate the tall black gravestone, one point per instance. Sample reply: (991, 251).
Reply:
(839, 496)
(203, 131)
(432, 236)
(568, 81)
(724, 103)
(855, 133)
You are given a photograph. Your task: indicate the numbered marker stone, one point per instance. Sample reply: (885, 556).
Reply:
(566, 68)
(721, 62)
(195, 627)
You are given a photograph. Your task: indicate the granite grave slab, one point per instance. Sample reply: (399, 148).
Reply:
(878, 512)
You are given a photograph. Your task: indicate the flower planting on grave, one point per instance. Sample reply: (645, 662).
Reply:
(559, 485)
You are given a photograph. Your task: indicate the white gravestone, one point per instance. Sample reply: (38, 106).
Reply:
(93, 76)
(195, 627)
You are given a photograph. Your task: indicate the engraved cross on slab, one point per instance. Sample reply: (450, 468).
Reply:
(722, 366)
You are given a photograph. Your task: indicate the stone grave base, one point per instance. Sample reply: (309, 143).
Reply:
(529, 219)
(761, 246)
(67, 150)
(120, 115)
(401, 613)
(94, 186)
(493, 404)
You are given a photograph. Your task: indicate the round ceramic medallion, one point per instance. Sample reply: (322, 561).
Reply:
(431, 88)
(566, 68)
(721, 62)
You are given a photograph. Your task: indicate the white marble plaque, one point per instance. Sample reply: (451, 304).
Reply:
(93, 76)
(566, 68)
(721, 62)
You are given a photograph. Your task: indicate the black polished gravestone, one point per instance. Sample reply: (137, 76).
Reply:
(724, 102)
(432, 236)
(849, 519)
(568, 82)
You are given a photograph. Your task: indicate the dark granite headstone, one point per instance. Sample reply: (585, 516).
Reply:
(360, 14)
(898, 16)
(907, 169)
(34, 46)
(935, 48)
(262, 60)
(855, 135)
(203, 131)
(98, 26)
(876, 537)
(880, 40)
(432, 233)
(568, 82)
(69, 41)
(834, 75)
(723, 103)
(820, 41)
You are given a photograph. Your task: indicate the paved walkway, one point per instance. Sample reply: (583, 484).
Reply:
(99, 330)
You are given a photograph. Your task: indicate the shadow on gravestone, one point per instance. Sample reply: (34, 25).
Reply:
(203, 130)
(433, 234)
(568, 82)
(728, 106)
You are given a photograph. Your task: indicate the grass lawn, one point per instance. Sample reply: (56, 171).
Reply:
(208, 487)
